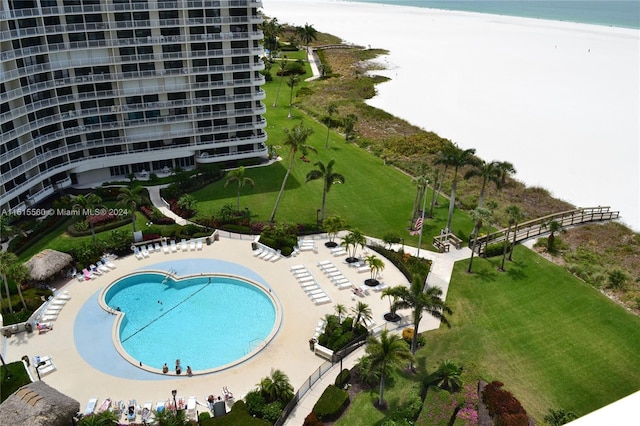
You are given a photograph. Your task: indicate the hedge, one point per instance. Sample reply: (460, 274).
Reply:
(439, 408)
(343, 378)
(503, 406)
(331, 404)
(237, 417)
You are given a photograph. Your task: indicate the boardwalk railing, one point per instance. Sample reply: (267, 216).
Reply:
(539, 226)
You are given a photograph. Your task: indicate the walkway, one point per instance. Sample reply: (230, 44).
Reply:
(159, 203)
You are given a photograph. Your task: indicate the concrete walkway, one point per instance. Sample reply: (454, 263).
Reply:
(159, 203)
(312, 57)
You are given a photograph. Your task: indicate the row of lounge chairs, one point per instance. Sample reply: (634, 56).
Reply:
(95, 270)
(309, 285)
(145, 250)
(267, 254)
(322, 323)
(338, 251)
(307, 245)
(332, 272)
(50, 311)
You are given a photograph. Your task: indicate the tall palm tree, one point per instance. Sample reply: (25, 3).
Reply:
(281, 71)
(479, 215)
(375, 264)
(421, 183)
(295, 139)
(393, 295)
(340, 311)
(7, 259)
(506, 169)
(515, 215)
(349, 124)
(271, 29)
(131, 198)
(277, 387)
(384, 352)
(488, 172)
(292, 82)
(307, 34)
(328, 176)
(456, 158)
(331, 109)
(351, 241)
(237, 176)
(333, 225)
(418, 299)
(88, 205)
(553, 226)
(362, 312)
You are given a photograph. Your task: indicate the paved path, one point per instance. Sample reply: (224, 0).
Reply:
(163, 206)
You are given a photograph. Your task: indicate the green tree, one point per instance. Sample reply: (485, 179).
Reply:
(506, 169)
(393, 294)
(362, 312)
(7, 259)
(340, 310)
(131, 198)
(421, 183)
(553, 227)
(292, 82)
(271, 29)
(307, 34)
(276, 387)
(187, 202)
(383, 352)
(238, 177)
(87, 206)
(455, 157)
(329, 177)
(349, 124)
(375, 264)
(419, 300)
(171, 418)
(446, 377)
(559, 417)
(352, 241)
(514, 215)
(488, 172)
(480, 215)
(333, 225)
(331, 109)
(295, 139)
(281, 72)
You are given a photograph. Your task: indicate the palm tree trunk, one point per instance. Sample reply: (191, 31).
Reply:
(238, 198)
(6, 287)
(275, 101)
(382, 380)
(324, 201)
(481, 199)
(93, 233)
(513, 244)
(284, 183)
(452, 200)
(504, 248)
(133, 219)
(473, 251)
(326, 142)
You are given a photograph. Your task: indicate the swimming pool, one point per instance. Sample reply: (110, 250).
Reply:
(209, 322)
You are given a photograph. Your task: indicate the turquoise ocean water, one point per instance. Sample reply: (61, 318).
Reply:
(616, 13)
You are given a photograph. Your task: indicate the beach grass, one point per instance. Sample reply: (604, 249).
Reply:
(553, 340)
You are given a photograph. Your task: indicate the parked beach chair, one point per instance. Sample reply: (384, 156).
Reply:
(156, 247)
(132, 410)
(165, 247)
(146, 412)
(160, 406)
(108, 263)
(102, 267)
(94, 270)
(183, 244)
(106, 405)
(145, 252)
(88, 275)
(199, 244)
(297, 267)
(228, 396)
(91, 406)
(137, 253)
(192, 245)
(174, 248)
(257, 252)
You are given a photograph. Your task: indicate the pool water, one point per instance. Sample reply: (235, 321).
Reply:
(205, 321)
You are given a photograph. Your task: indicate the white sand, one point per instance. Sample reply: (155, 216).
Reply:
(559, 100)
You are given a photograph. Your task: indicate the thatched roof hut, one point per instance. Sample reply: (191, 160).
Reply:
(47, 263)
(38, 404)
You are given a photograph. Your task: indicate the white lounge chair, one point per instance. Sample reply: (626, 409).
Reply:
(157, 247)
(137, 253)
(183, 244)
(322, 300)
(199, 244)
(297, 267)
(305, 279)
(257, 252)
(165, 247)
(192, 245)
(315, 291)
(324, 262)
(101, 266)
(109, 264)
(144, 251)
(91, 406)
(174, 248)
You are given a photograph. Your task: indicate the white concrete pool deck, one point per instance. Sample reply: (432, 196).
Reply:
(289, 350)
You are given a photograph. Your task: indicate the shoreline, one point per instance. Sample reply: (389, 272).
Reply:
(544, 95)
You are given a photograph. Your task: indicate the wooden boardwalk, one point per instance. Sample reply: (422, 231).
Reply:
(536, 227)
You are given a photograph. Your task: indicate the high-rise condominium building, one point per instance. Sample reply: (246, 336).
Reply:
(92, 90)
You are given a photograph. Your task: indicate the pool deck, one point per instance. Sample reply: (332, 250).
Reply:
(87, 365)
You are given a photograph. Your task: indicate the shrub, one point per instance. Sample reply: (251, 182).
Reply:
(312, 420)
(255, 403)
(343, 378)
(272, 411)
(331, 404)
(439, 408)
(505, 408)
(495, 249)
(407, 335)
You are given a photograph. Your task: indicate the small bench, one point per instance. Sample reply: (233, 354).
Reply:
(323, 352)
(440, 245)
(453, 239)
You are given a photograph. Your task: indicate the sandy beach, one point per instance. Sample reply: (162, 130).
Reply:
(559, 100)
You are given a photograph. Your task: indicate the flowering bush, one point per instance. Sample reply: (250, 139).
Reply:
(101, 219)
(468, 413)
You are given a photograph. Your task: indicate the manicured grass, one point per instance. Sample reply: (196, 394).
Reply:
(553, 340)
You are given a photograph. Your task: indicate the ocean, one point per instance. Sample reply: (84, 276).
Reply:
(615, 13)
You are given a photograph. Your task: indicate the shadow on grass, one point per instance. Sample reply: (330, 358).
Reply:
(485, 275)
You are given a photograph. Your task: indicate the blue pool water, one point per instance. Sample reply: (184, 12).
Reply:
(205, 321)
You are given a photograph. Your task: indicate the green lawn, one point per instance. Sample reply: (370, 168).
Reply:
(553, 340)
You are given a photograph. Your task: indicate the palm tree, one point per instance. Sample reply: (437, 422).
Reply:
(353, 239)
(489, 172)
(480, 215)
(333, 225)
(418, 299)
(277, 387)
(515, 215)
(281, 71)
(295, 139)
(376, 265)
(349, 124)
(331, 109)
(393, 294)
(506, 169)
(292, 82)
(131, 198)
(18, 273)
(363, 313)
(104, 418)
(7, 259)
(237, 176)
(553, 227)
(559, 417)
(171, 418)
(271, 30)
(328, 176)
(383, 352)
(87, 206)
(187, 202)
(455, 157)
(447, 376)
(307, 34)
(340, 311)
(421, 183)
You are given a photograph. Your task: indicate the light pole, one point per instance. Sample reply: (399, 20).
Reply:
(175, 404)
(40, 364)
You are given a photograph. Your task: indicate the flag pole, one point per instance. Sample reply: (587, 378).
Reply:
(424, 206)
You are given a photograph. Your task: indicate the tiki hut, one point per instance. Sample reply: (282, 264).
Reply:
(38, 404)
(47, 263)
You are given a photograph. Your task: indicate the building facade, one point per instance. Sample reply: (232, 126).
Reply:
(94, 90)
